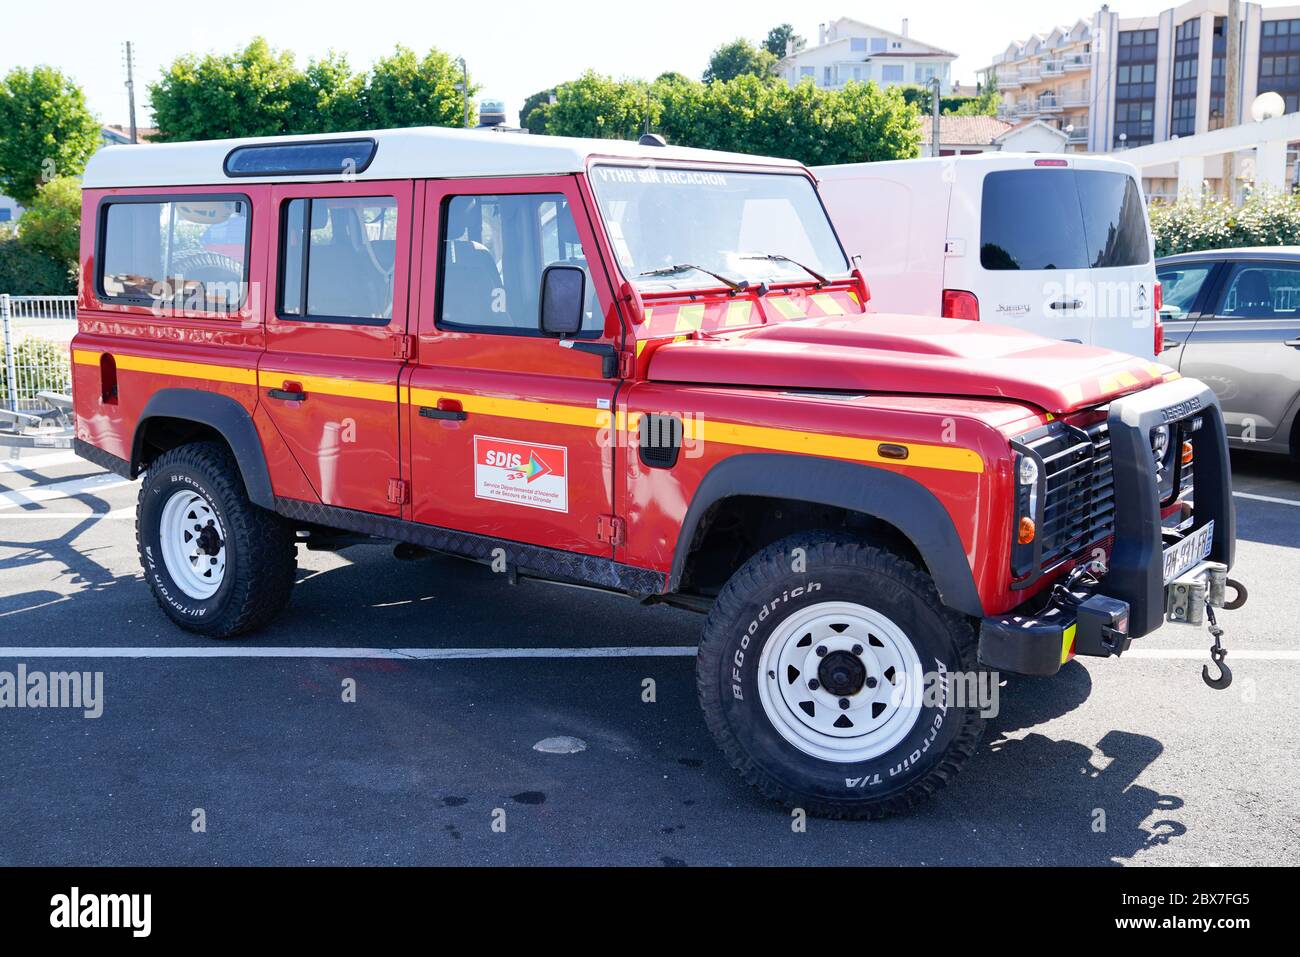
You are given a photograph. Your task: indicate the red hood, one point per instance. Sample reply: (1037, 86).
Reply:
(909, 354)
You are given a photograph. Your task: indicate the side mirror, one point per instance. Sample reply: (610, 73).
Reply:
(564, 289)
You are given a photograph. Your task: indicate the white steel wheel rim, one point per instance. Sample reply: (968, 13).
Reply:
(812, 719)
(193, 544)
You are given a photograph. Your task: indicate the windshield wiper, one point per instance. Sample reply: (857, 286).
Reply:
(778, 258)
(686, 267)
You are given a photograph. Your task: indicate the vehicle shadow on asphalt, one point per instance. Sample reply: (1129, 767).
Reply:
(1088, 792)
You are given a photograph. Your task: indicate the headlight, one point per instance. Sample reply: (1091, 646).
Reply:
(1159, 442)
(1028, 470)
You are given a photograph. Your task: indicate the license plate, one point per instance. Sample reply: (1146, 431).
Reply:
(1185, 554)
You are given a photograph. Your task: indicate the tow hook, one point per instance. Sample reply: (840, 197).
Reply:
(1217, 654)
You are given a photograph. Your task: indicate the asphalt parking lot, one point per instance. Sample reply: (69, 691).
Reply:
(439, 742)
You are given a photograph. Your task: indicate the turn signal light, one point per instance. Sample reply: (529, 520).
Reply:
(1026, 531)
(960, 304)
(1187, 453)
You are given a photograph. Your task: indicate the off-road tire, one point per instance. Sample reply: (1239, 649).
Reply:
(261, 555)
(727, 676)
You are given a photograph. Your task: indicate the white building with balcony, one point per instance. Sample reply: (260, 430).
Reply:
(849, 50)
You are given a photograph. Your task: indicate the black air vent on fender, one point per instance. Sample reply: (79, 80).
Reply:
(661, 440)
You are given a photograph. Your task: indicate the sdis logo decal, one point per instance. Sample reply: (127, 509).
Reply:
(522, 473)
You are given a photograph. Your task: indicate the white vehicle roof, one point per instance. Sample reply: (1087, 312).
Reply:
(424, 152)
(989, 160)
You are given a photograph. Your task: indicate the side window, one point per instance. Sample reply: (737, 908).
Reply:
(337, 257)
(494, 251)
(1258, 291)
(1179, 287)
(191, 254)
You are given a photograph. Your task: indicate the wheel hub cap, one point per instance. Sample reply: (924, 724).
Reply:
(193, 544)
(840, 681)
(842, 673)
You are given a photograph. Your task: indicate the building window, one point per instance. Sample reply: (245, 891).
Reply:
(858, 44)
(877, 44)
(1187, 44)
(1135, 87)
(807, 71)
(828, 76)
(891, 73)
(1279, 61)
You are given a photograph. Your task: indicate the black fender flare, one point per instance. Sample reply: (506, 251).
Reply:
(222, 413)
(893, 498)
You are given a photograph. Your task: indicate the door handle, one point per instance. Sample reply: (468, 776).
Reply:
(446, 409)
(1293, 343)
(1173, 343)
(291, 392)
(1067, 304)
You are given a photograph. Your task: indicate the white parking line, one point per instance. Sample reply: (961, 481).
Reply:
(454, 654)
(49, 460)
(57, 490)
(405, 654)
(1267, 498)
(117, 514)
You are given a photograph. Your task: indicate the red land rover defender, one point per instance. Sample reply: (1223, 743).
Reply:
(642, 369)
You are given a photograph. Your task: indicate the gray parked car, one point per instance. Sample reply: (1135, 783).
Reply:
(1232, 320)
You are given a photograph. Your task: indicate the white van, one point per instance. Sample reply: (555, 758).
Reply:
(1057, 244)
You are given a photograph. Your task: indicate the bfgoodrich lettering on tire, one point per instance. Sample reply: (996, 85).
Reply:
(218, 565)
(827, 686)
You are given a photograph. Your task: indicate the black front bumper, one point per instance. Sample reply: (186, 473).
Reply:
(1131, 593)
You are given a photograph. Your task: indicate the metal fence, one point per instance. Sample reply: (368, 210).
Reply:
(36, 364)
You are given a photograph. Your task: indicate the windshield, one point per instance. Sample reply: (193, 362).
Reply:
(673, 228)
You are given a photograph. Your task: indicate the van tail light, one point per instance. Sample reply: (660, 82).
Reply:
(960, 304)
(1158, 297)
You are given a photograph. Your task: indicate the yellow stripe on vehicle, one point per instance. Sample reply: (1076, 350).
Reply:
(827, 304)
(1067, 642)
(689, 319)
(945, 457)
(552, 412)
(328, 385)
(172, 367)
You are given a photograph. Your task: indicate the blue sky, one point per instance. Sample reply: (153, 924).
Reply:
(513, 48)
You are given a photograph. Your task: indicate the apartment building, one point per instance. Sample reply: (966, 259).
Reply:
(1116, 82)
(850, 50)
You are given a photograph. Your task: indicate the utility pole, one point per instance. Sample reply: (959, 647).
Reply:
(464, 87)
(1231, 89)
(130, 88)
(934, 116)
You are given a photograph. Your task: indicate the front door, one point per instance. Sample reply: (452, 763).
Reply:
(509, 432)
(336, 323)
(1246, 349)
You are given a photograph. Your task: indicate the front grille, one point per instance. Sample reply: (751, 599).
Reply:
(1078, 507)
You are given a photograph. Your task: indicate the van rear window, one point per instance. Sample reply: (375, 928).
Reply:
(315, 158)
(1062, 219)
(186, 253)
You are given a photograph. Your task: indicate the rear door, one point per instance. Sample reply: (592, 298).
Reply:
(1248, 347)
(335, 332)
(1063, 250)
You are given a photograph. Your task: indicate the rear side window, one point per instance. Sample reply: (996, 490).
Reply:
(337, 259)
(494, 251)
(190, 254)
(1062, 219)
(1259, 291)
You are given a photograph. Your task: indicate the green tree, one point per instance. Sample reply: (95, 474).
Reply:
(255, 92)
(52, 223)
(739, 58)
(532, 115)
(595, 105)
(986, 104)
(779, 37)
(46, 130)
(259, 91)
(25, 271)
(405, 90)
